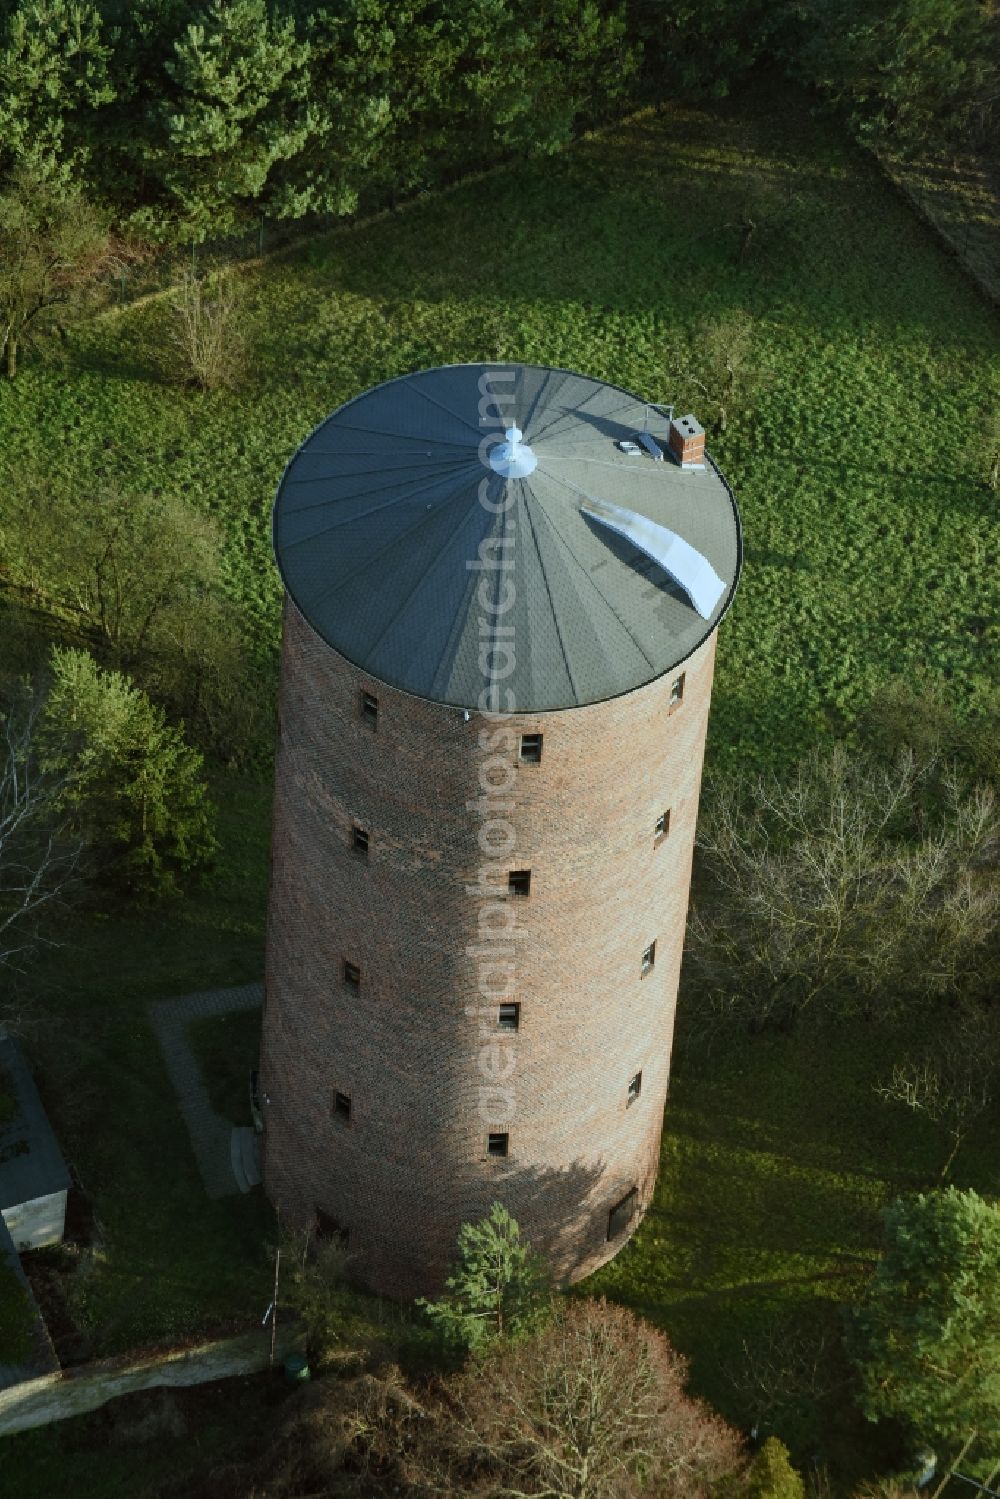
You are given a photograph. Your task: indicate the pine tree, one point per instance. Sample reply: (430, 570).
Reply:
(55, 72)
(134, 787)
(233, 105)
(498, 1289)
(771, 1475)
(926, 1339)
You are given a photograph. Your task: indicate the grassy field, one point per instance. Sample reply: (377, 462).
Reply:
(144, 1445)
(165, 1262)
(777, 1158)
(17, 1318)
(871, 550)
(870, 545)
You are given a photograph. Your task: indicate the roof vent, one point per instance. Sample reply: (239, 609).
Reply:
(513, 459)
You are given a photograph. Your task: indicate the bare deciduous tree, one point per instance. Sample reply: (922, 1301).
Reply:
(141, 575)
(206, 337)
(128, 567)
(782, 1366)
(38, 860)
(822, 889)
(727, 371)
(592, 1408)
(54, 247)
(369, 1434)
(953, 1084)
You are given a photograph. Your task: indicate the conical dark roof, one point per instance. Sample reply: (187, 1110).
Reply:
(388, 512)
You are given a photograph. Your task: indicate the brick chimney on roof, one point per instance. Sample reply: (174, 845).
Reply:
(687, 441)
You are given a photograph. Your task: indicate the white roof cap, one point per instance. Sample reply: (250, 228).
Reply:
(693, 572)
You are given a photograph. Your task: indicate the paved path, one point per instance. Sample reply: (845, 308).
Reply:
(211, 1135)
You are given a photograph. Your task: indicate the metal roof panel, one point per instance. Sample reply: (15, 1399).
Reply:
(381, 518)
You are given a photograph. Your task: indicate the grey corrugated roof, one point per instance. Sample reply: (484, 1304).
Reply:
(31, 1163)
(386, 503)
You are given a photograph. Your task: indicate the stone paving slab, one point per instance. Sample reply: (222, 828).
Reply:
(211, 1135)
(86, 1387)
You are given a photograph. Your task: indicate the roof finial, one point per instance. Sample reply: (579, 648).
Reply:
(513, 459)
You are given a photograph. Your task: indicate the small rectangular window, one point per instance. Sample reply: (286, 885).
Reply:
(497, 1144)
(342, 1107)
(369, 708)
(622, 1213)
(662, 827)
(359, 839)
(648, 958)
(677, 689)
(531, 748)
(510, 1017)
(519, 882)
(634, 1089)
(352, 975)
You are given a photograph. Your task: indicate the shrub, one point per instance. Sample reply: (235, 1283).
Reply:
(313, 1273)
(771, 1475)
(206, 338)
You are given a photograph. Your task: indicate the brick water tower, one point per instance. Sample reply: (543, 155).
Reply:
(503, 585)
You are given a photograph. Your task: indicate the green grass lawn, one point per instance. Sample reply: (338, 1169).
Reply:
(17, 1318)
(871, 550)
(167, 1262)
(777, 1158)
(161, 1441)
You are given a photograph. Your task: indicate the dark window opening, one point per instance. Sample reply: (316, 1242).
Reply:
(352, 975)
(622, 1213)
(519, 882)
(342, 1107)
(648, 958)
(359, 840)
(510, 1017)
(662, 826)
(634, 1089)
(531, 748)
(497, 1144)
(369, 708)
(677, 689)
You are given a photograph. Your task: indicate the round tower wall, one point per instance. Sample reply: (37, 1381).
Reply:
(417, 1047)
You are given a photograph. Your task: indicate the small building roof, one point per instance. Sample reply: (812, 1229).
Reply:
(31, 1163)
(391, 519)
